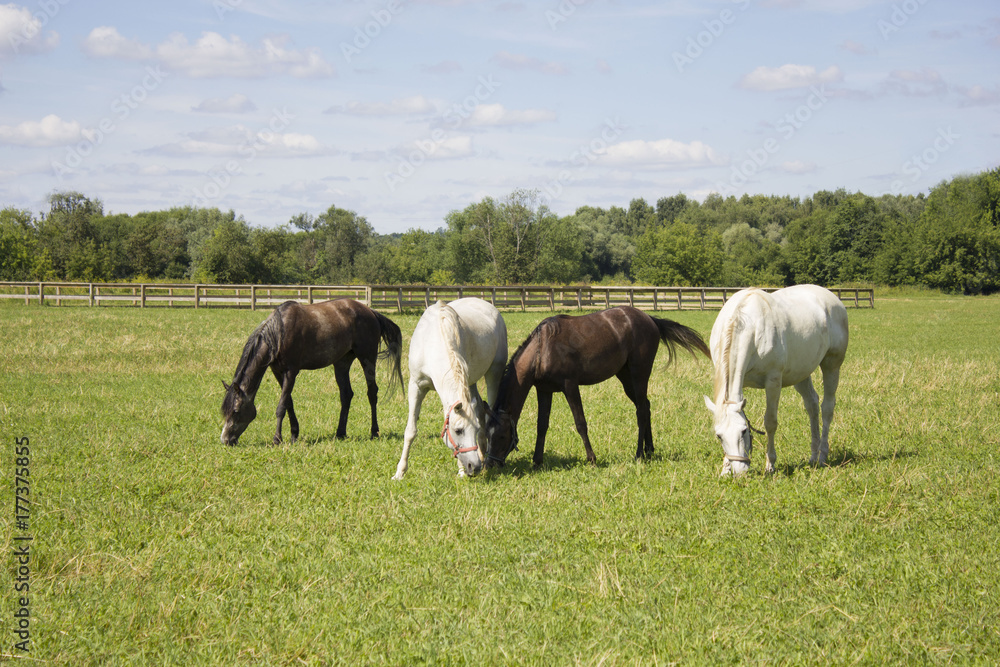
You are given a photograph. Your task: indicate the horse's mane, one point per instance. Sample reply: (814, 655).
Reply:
(737, 320)
(508, 373)
(268, 334)
(457, 366)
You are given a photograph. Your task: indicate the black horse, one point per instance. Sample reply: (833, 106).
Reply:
(565, 352)
(306, 337)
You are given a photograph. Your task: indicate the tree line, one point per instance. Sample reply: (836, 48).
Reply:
(947, 239)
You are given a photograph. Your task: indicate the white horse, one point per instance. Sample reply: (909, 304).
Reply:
(452, 347)
(769, 341)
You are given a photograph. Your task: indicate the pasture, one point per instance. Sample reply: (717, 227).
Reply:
(154, 543)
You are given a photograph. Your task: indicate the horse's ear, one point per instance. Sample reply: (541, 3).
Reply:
(226, 385)
(708, 403)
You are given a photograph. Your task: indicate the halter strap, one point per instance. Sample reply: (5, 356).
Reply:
(449, 440)
(740, 459)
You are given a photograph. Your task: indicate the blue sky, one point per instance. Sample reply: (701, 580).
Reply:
(404, 110)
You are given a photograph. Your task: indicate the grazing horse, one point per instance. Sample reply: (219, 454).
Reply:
(453, 346)
(769, 341)
(298, 337)
(564, 352)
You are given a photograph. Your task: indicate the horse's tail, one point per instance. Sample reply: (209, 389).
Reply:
(392, 337)
(673, 334)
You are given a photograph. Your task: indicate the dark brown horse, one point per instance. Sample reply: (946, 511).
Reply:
(297, 337)
(565, 352)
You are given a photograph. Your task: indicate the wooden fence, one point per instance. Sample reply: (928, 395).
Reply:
(385, 297)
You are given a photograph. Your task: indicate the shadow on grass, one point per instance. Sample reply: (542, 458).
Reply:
(312, 441)
(842, 459)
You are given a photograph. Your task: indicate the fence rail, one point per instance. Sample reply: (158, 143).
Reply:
(386, 297)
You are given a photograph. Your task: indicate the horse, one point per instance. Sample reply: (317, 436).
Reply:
(299, 337)
(769, 341)
(565, 352)
(453, 346)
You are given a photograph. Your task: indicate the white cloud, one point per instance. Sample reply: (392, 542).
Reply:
(239, 141)
(450, 148)
(517, 61)
(789, 76)
(495, 115)
(417, 104)
(980, 95)
(798, 167)
(21, 32)
(235, 103)
(50, 131)
(662, 154)
(107, 42)
(925, 82)
(212, 55)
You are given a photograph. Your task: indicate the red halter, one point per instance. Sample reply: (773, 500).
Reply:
(450, 441)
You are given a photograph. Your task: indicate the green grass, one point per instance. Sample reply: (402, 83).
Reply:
(153, 543)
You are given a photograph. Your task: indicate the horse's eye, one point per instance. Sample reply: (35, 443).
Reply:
(459, 432)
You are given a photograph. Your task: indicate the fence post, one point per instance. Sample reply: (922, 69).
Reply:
(399, 299)
(197, 290)
(253, 297)
(41, 294)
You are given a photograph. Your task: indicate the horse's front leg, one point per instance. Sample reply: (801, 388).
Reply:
(416, 395)
(811, 401)
(342, 371)
(772, 390)
(572, 392)
(544, 412)
(287, 381)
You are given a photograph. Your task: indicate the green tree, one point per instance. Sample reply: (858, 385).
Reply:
(958, 238)
(678, 254)
(342, 236)
(21, 255)
(561, 254)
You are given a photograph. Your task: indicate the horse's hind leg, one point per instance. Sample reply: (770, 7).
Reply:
(643, 416)
(342, 371)
(368, 366)
(811, 400)
(831, 379)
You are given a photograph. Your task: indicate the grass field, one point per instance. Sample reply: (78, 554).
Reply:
(155, 544)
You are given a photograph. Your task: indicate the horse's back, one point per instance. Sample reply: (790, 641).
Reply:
(319, 334)
(815, 312)
(480, 330)
(795, 330)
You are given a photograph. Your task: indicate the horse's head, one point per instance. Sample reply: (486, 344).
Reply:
(462, 434)
(733, 431)
(501, 438)
(237, 412)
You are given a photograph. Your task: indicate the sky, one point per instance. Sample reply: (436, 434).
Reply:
(406, 110)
